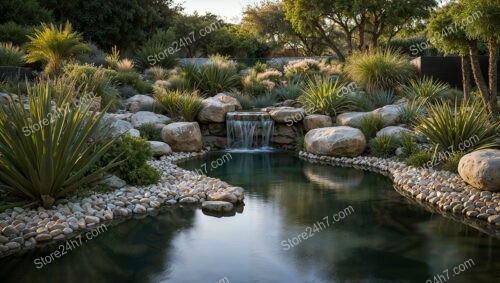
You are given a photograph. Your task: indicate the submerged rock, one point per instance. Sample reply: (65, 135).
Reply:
(217, 206)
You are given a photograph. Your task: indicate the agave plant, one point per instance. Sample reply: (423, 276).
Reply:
(54, 44)
(461, 127)
(426, 88)
(45, 153)
(325, 96)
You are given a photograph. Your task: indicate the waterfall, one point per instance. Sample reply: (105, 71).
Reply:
(249, 130)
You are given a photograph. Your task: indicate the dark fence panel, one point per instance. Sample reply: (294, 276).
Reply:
(447, 69)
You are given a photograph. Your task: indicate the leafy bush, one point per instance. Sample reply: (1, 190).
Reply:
(244, 100)
(379, 69)
(150, 132)
(290, 91)
(12, 32)
(133, 153)
(452, 128)
(156, 73)
(127, 91)
(427, 88)
(411, 112)
(380, 98)
(54, 44)
(46, 154)
(133, 79)
(383, 146)
(325, 96)
(264, 100)
(144, 58)
(217, 76)
(125, 65)
(452, 95)
(408, 144)
(179, 103)
(259, 67)
(10, 55)
(370, 125)
(451, 164)
(361, 102)
(93, 56)
(419, 158)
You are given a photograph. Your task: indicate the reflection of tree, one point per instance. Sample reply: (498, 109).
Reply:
(129, 252)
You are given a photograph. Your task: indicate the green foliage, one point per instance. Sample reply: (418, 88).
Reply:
(379, 69)
(413, 46)
(150, 132)
(453, 94)
(144, 175)
(451, 164)
(255, 88)
(113, 58)
(380, 97)
(370, 125)
(133, 153)
(409, 113)
(54, 44)
(46, 154)
(145, 56)
(127, 91)
(179, 103)
(451, 127)
(133, 79)
(259, 67)
(10, 55)
(419, 158)
(383, 146)
(362, 103)
(408, 144)
(264, 100)
(217, 76)
(426, 88)
(244, 100)
(325, 96)
(24, 12)
(290, 91)
(15, 33)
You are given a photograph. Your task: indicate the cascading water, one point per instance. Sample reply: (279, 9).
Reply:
(249, 130)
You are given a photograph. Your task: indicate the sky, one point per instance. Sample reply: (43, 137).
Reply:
(229, 10)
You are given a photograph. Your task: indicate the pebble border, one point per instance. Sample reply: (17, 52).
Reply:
(445, 191)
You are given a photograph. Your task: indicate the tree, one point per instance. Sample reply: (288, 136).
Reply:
(358, 23)
(450, 38)
(54, 44)
(481, 20)
(24, 12)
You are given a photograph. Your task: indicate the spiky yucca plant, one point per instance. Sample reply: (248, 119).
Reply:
(426, 88)
(325, 96)
(54, 44)
(461, 127)
(47, 153)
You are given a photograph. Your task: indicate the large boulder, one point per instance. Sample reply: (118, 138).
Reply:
(394, 132)
(388, 113)
(140, 103)
(183, 136)
(481, 169)
(317, 121)
(288, 115)
(159, 148)
(145, 117)
(117, 126)
(217, 107)
(351, 119)
(335, 141)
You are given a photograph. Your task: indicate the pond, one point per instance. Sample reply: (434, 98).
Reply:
(301, 222)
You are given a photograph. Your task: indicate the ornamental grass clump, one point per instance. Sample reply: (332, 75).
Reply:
(11, 55)
(47, 153)
(325, 96)
(178, 104)
(426, 88)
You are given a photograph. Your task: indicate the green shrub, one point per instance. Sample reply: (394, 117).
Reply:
(54, 44)
(383, 146)
(133, 153)
(451, 164)
(133, 79)
(264, 100)
(291, 91)
(453, 94)
(362, 103)
(219, 75)
(12, 32)
(145, 56)
(127, 91)
(379, 69)
(10, 55)
(93, 56)
(462, 127)
(150, 132)
(256, 88)
(426, 88)
(408, 144)
(179, 103)
(419, 158)
(325, 96)
(144, 175)
(244, 100)
(411, 112)
(46, 154)
(370, 125)
(113, 58)
(259, 67)
(380, 97)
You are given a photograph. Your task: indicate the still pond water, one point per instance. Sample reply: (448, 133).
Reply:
(383, 237)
